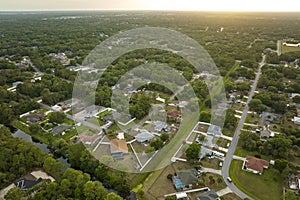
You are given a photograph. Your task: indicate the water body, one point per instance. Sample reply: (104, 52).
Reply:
(44, 147)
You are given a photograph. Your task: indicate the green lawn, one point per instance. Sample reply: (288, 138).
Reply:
(69, 134)
(104, 113)
(136, 180)
(252, 119)
(267, 186)
(96, 121)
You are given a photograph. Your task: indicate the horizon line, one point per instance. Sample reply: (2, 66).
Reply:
(225, 11)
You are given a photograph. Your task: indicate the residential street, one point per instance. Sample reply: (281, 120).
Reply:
(231, 150)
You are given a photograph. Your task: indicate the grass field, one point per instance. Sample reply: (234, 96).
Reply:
(164, 156)
(267, 186)
(230, 196)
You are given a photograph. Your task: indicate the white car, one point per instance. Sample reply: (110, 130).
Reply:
(220, 164)
(229, 179)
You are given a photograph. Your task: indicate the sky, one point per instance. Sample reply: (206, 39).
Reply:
(203, 5)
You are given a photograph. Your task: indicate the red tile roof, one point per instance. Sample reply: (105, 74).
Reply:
(174, 113)
(256, 164)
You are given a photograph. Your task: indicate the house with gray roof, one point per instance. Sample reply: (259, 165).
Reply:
(61, 128)
(184, 179)
(25, 184)
(160, 126)
(209, 195)
(144, 136)
(214, 130)
(205, 152)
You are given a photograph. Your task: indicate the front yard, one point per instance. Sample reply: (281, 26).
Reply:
(267, 186)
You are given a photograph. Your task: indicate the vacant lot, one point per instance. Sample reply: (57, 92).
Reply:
(267, 186)
(210, 163)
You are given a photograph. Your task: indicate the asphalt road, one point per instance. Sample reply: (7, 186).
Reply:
(233, 145)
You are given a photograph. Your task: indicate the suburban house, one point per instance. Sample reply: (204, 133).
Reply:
(291, 44)
(74, 68)
(144, 136)
(294, 182)
(160, 126)
(255, 165)
(118, 148)
(292, 95)
(25, 184)
(297, 120)
(35, 117)
(204, 152)
(267, 118)
(209, 195)
(60, 129)
(160, 99)
(15, 84)
(68, 103)
(266, 134)
(240, 80)
(214, 130)
(185, 179)
(174, 113)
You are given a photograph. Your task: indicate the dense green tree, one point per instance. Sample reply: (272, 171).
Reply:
(57, 117)
(290, 195)
(278, 147)
(139, 105)
(192, 152)
(205, 116)
(249, 141)
(296, 99)
(157, 144)
(54, 168)
(94, 191)
(170, 198)
(188, 73)
(230, 119)
(257, 105)
(249, 63)
(280, 164)
(7, 114)
(15, 193)
(34, 128)
(113, 196)
(164, 137)
(17, 157)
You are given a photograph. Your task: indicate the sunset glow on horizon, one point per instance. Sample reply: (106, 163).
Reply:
(225, 5)
(208, 5)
